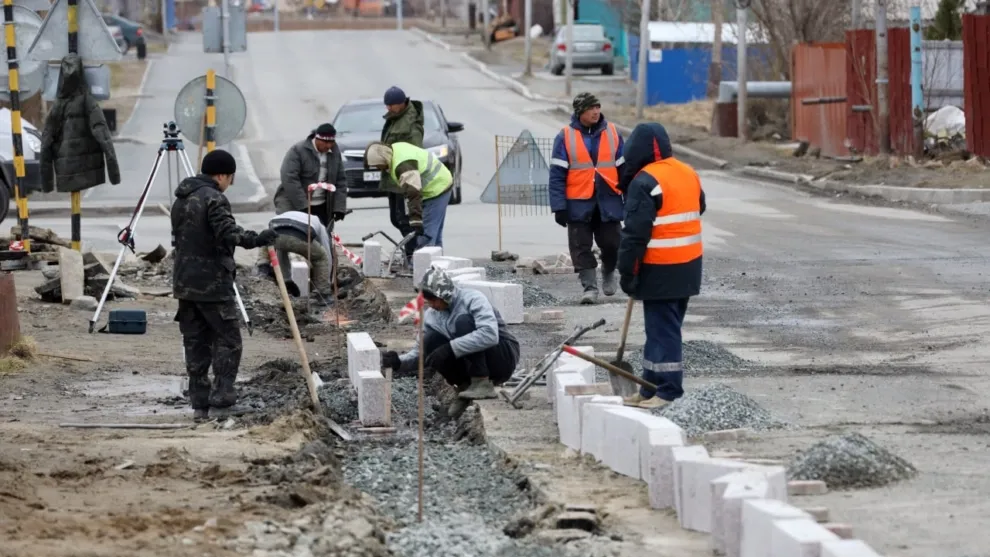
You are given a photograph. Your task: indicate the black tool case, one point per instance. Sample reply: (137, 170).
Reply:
(127, 322)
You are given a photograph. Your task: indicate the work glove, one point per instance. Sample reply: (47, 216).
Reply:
(561, 218)
(628, 284)
(439, 357)
(339, 215)
(266, 238)
(391, 359)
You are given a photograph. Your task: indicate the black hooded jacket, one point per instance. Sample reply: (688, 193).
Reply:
(76, 138)
(204, 235)
(649, 143)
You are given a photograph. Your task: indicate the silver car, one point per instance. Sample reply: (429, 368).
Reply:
(592, 49)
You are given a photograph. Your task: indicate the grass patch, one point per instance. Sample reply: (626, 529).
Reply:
(18, 356)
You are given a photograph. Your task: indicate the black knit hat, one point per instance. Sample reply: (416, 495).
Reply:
(325, 132)
(218, 162)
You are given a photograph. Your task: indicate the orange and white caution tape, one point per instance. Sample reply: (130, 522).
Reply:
(411, 310)
(321, 186)
(355, 258)
(16, 245)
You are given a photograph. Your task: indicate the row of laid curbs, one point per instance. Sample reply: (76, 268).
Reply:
(364, 371)
(742, 505)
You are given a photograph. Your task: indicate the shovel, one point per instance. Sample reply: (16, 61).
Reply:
(622, 386)
(611, 368)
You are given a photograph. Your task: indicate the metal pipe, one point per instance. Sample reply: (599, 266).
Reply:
(823, 100)
(644, 47)
(917, 97)
(569, 54)
(728, 91)
(527, 25)
(742, 131)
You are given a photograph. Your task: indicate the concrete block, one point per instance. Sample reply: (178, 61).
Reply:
(728, 493)
(507, 298)
(593, 424)
(695, 512)
(450, 263)
(843, 531)
(758, 517)
(552, 315)
(586, 369)
(422, 259)
(820, 514)
(655, 430)
(71, 274)
(680, 455)
(300, 276)
(371, 263)
(806, 487)
(570, 368)
(461, 279)
(847, 548)
(658, 449)
(622, 437)
(568, 411)
(480, 271)
(373, 398)
(800, 537)
(362, 355)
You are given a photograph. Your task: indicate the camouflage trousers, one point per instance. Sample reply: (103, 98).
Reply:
(211, 335)
(319, 265)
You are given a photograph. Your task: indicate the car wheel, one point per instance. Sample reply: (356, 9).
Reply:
(455, 196)
(126, 47)
(557, 70)
(608, 70)
(4, 202)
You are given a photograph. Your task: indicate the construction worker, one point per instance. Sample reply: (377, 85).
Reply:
(313, 160)
(204, 235)
(425, 181)
(403, 123)
(584, 193)
(660, 254)
(295, 229)
(464, 339)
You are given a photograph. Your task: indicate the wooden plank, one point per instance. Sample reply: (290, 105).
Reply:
(379, 430)
(593, 389)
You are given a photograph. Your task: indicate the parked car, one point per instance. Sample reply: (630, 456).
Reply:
(31, 141)
(592, 49)
(132, 31)
(118, 37)
(359, 123)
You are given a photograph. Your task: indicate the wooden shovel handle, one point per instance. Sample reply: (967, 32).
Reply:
(625, 330)
(610, 368)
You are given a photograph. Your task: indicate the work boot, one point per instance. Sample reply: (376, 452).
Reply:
(653, 403)
(457, 407)
(609, 283)
(633, 400)
(589, 280)
(224, 395)
(231, 411)
(481, 388)
(201, 415)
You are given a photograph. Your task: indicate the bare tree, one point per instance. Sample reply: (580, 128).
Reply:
(788, 22)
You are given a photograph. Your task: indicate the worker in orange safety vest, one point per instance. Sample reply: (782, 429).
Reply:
(584, 193)
(660, 254)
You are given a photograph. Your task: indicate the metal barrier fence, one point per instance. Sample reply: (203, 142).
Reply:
(521, 185)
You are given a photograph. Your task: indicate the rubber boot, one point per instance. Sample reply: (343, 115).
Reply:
(481, 388)
(201, 415)
(457, 407)
(610, 283)
(589, 280)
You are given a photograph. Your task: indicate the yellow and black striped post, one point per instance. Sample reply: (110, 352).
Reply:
(211, 111)
(75, 197)
(15, 121)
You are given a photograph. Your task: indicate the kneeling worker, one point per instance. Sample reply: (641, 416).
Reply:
(465, 341)
(291, 227)
(426, 182)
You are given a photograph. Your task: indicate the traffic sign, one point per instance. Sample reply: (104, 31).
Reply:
(34, 5)
(96, 42)
(523, 176)
(213, 29)
(32, 72)
(97, 77)
(190, 106)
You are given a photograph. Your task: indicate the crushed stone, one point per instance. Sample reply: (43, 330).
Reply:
(702, 358)
(850, 461)
(717, 407)
(339, 400)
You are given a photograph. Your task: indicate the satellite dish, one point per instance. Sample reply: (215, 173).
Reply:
(32, 72)
(190, 106)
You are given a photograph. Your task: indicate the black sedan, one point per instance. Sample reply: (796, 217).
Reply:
(359, 123)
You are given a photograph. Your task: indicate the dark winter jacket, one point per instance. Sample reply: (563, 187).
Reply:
(300, 168)
(204, 235)
(76, 138)
(649, 282)
(609, 202)
(407, 127)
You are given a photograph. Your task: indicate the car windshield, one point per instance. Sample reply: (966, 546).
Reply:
(584, 33)
(368, 119)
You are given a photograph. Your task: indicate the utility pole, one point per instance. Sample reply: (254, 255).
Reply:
(741, 81)
(276, 15)
(644, 52)
(715, 70)
(917, 96)
(857, 13)
(486, 21)
(225, 20)
(883, 106)
(527, 25)
(398, 14)
(569, 53)
(443, 13)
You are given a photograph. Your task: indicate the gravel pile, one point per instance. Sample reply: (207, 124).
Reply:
(701, 358)
(340, 400)
(717, 407)
(850, 461)
(405, 401)
(463, 535)
(458, 479)
(536, 296)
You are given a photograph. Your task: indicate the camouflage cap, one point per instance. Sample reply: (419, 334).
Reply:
(437, 283)
(585, 101)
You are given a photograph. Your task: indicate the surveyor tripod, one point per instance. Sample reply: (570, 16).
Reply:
(171, 148)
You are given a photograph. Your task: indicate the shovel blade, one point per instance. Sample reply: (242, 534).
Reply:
(620, 385)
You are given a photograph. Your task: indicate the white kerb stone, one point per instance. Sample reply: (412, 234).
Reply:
(570, 369)
(422, 259)
(801, 537)
(728, 493)
(362, 355)
(507, 298)
(679, 455)
(695, 512)
(622, 436)
(480, 271)
(847, 548)
(587, 369)
(658, 448)
(612, 401)
(758, 517)
(655, 429)
(593, 426)
(461, 279)
(567, 411)
(373, 398)
(452, 263)
(299, 271)
(371, 257)
(71, 274)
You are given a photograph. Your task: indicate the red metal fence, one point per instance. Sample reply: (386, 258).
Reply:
(818, 73)
(976, 64)
(861, 66)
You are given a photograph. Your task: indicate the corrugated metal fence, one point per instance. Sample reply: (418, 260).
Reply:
(976, 49)
(818, 75)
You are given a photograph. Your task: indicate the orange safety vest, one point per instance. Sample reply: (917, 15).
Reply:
(676, 234)
(581, 171)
